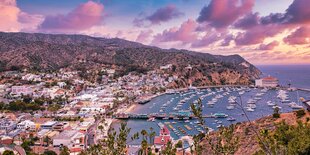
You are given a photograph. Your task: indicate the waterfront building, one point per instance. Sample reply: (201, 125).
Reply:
(267, 82)
(164, 137)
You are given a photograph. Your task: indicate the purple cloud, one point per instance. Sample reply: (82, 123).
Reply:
(83, 17)
(161, 15)
(299, 37)
(164, 14)
(222, 13)
(248, 21)
(269, 46)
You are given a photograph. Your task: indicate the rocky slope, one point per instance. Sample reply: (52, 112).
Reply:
(52, 52)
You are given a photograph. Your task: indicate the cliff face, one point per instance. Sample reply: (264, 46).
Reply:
(52, 52)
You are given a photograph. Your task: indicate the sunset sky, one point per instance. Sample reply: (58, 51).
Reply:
(262, 31)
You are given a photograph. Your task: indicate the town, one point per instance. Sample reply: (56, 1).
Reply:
(47, 111)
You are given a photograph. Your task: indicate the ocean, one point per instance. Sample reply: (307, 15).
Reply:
(297, 75)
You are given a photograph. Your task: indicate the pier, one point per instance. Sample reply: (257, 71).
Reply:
(157, 116)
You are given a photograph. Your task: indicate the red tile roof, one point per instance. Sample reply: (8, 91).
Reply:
(270, 78)
(161, 140)
(164, 131)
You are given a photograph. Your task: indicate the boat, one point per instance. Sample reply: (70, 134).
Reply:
(152, 119)
(230, 107)
(220, 126)
(187, 127)
(220, 115)
(249, 109)
(276, 106)
(231, 119)
(187, 121)
(296, 105)
(270, 103)
(253, 106)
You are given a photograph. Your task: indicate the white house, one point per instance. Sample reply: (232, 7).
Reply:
(27, 124)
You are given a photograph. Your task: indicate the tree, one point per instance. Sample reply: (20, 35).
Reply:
(169, 149)
(64, 151)
(47, 140)
(144, 134)
(49, 152)
(224, 142)
(288, 139)
(8, 152)
(276, 113)
(114, 144)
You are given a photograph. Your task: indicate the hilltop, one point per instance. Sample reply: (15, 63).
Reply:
(49, 52)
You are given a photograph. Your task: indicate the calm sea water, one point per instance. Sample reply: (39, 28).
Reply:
(297, 75)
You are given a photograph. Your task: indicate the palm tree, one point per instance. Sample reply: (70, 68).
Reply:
(151, 135)
(144, 134)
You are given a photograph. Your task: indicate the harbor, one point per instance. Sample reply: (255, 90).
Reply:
(222, 106)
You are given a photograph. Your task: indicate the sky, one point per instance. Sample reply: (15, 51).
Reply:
(264, 32)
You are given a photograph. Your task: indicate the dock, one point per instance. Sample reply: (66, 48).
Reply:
(157, 116)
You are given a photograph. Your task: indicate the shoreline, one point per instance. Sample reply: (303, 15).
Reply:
(131, 108)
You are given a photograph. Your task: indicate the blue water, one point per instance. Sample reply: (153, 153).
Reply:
(297, 75)
(154, 105)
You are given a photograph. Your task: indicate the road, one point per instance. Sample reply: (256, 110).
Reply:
(91, 133)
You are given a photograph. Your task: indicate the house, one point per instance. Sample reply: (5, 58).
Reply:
(27, 124)
(31, 77)
(7, 125)
(168, 66)
(6, 140)
(48, 125)
(21, 90)
(267, 82)
(74, 140)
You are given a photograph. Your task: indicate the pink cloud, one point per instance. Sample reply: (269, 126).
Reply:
(300, 36)
(258, 34)
(185, 33)
(208, 39)
(13, 19)
(9, 13)
(144, 36)
(83, 17)
(269, 46)
(222, 13)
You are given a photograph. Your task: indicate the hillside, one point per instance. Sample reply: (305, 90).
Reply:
(246, 131)
(53, 52)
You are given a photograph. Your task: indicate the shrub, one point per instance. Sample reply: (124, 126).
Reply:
(300, 113)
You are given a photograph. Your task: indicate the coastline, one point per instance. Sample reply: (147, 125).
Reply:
(131, 108)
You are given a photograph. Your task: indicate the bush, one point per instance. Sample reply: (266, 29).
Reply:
(300, 113)
(276, 115)
(179, 144)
